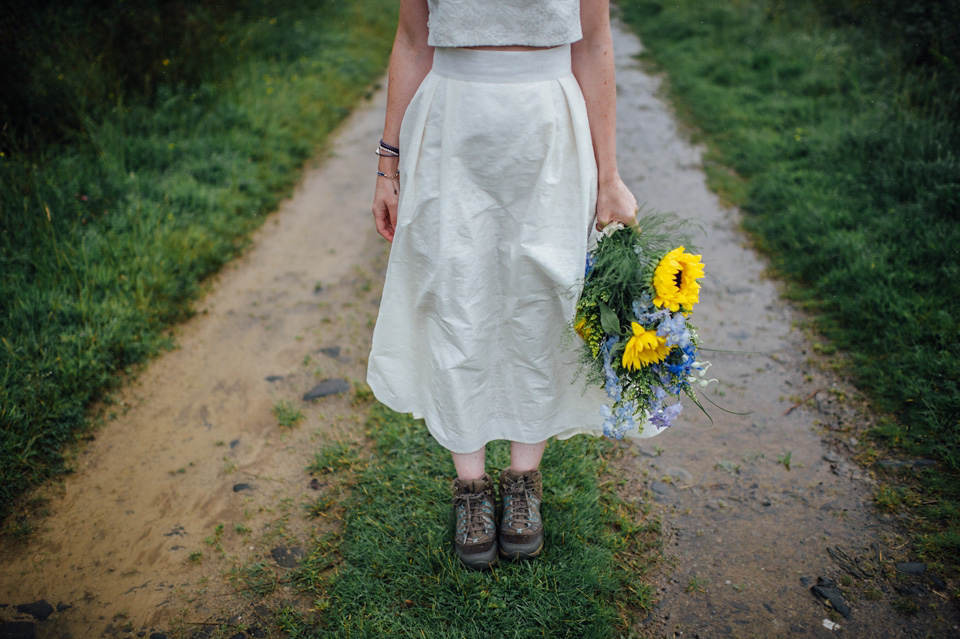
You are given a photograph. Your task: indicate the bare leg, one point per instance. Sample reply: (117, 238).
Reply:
(524, 457)
(470, 465)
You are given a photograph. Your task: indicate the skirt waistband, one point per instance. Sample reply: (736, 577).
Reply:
(483, 65)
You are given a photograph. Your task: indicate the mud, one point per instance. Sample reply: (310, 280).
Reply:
(131, 542)
(753, 504)
(195, 482)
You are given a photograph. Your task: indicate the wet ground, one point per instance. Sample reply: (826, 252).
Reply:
(196, 482)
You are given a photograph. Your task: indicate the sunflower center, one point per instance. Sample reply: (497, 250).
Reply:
(678, 279)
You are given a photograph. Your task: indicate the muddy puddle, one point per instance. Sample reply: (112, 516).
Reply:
(195, 483)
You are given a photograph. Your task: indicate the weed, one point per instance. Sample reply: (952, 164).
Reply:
(332, 457)
(696, 584)
(785, 459)
(255, 579)
(872, 593)
(214, 540)
(241, 529)
(361, 394)
(21, 528)
(287, 414)
(319, 507)
(196, 557)
(906, 606)
(727, 466)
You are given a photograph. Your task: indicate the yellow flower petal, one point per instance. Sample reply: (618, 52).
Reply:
(675, 280)
(644, 348)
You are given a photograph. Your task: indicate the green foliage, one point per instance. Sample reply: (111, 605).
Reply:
(840, 122)
(398, 576)
(106, 236)
(73, 60)
(332, 458)
(785, 459)
(288, 415)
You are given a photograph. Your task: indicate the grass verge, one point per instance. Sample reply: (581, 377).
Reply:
(833, 126)
(106, 235)
(396, 574)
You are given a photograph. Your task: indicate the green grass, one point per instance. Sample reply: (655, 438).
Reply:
(288, 415)
(833, 126)
(393, 572)
(106, 235)
(332, 458)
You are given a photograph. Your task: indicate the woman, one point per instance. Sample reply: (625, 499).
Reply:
(489, 191)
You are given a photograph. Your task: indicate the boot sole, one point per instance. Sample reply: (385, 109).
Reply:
(480, 561)
(515, 552)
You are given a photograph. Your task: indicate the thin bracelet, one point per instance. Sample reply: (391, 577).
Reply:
(389, 177)
(389, 154)
(389, 147)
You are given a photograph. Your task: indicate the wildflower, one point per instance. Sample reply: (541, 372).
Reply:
(664, 417)
(583, 328)
(644, 348)
(675, 280)
(612, 381)
(674, 329)
(618, 420)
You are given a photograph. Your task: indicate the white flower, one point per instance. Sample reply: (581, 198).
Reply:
(612, 228)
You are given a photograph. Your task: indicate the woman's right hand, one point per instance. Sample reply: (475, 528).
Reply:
(385, 198)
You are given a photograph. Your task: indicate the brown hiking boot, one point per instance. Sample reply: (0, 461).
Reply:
(521, 529)
(475, 527)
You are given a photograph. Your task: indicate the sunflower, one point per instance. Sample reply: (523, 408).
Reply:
(675, 280)
(583, 328)
(644, 348)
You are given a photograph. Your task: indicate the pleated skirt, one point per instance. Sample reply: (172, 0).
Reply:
(497, 201)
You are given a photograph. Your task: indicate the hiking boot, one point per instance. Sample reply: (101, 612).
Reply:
(521, 529)
(475, 527)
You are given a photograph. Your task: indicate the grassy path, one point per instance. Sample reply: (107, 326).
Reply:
(220, 501)
(107, 235)
(189, 508)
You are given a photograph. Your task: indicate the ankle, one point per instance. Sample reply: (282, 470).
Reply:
(522, 470)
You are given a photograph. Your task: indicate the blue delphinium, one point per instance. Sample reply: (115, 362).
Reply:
(663, 418)
(674, 328)
(612, 382)
(620, 419)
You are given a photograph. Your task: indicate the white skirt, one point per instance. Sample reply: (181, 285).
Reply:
(498, 187)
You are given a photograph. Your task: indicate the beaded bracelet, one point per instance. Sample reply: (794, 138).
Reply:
(388, 147)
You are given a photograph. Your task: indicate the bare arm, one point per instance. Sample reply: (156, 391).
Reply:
(593, 67)
(410, 62)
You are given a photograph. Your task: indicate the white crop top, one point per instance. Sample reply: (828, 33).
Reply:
(476, 23)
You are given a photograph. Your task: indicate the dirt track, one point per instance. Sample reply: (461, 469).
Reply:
(744, 532)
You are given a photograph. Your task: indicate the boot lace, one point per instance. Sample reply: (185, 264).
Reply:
(519, 511)
(469, 506)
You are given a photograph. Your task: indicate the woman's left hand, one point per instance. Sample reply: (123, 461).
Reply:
(615, 203)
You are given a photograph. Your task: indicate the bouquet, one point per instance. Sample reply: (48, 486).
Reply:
(640, 287)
